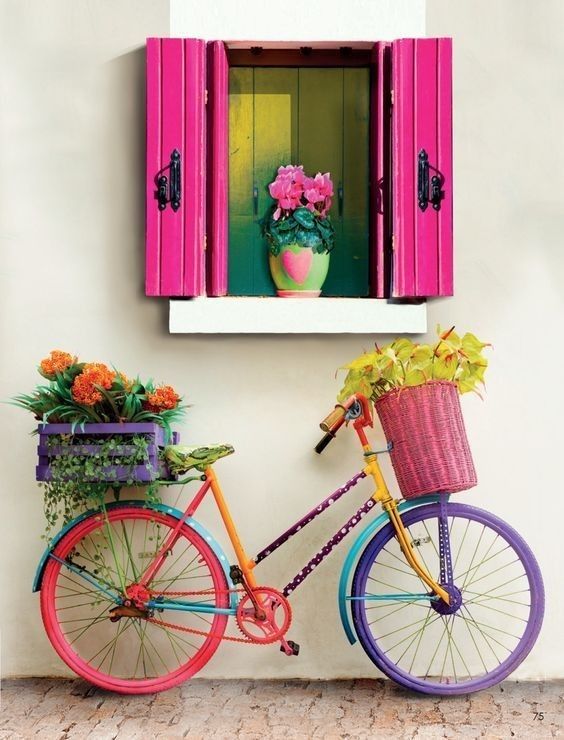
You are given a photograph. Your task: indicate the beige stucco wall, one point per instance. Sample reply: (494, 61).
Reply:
(509, 225)
(71, 239)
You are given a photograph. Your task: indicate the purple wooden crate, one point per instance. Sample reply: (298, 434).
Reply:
(154, 433)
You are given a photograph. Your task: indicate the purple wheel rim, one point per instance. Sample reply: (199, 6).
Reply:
(518, 653)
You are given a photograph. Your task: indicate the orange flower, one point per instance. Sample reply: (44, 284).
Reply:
(94, 374)
(161, 399)
(57, 362)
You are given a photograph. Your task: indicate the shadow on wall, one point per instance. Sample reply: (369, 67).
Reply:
(125, 135)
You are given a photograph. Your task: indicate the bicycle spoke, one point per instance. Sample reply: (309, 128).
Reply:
(421, 633)
(398, 570)
(121, 627)
(488, 597)
(482, 562)
(460, 549)
(397, 644)
(400, 629)
(468, 672)
(485, 636)
(499, 611)
(389, 585)
(378, 618)
(475, 643)
(426, 674)
(492, 572)
(100, 617)
(400, 560)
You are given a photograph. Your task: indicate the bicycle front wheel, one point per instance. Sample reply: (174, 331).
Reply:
(135, 654)
(496, 612)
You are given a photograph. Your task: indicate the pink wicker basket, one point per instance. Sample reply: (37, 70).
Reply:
(430, 452)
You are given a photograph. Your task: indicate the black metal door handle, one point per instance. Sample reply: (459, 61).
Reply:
(175, 186)
(423, 197)
(162, 192)
(170, 192)
(436, 192)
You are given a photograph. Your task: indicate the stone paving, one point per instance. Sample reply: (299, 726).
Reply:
(59, 709)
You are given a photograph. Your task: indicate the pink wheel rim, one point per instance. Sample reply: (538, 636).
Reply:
(81, 666)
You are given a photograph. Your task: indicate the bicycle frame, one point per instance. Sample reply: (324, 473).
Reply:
(247, 565)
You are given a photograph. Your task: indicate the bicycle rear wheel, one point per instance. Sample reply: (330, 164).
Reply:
(134, 655)
(496, 615)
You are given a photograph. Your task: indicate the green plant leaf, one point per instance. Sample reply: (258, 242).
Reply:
(308, 239)
(304, 217)
(444, 367)
(403, 349)
(284, 224)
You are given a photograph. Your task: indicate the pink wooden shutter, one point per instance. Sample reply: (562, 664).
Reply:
(175, 223)
(218, 122)
(380, 186)
(422, 167)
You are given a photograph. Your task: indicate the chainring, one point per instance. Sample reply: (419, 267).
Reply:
(278, 616)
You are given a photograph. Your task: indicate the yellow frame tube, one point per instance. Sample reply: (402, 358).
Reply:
(245, 563)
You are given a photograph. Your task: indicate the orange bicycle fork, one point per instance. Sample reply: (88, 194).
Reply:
(389, 504)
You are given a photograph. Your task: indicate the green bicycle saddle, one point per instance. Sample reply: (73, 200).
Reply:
(181, 459)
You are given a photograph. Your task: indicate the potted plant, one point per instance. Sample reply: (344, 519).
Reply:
(415, 390)
(299, 231)
(97, 429)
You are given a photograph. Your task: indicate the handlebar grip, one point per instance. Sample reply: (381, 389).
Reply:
(323, 442)
(336, 416)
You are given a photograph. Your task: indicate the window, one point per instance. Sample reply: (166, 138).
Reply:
(222, 116)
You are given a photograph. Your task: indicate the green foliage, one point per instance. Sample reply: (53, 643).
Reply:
(81, 477)
(125, 401)
(403, 363)
(306, 228)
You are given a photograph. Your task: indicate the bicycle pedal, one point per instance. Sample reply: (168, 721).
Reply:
(290, 648)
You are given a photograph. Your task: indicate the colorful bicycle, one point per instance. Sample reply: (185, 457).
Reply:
(444, 598)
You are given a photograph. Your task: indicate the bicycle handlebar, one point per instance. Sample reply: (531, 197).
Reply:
(323, 442)
(337, 416)
(335, 420)
(331, 425)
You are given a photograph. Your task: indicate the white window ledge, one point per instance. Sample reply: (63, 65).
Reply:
(251, 315)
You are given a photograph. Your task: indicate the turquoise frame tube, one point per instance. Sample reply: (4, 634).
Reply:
(355, 552)
(164, 509)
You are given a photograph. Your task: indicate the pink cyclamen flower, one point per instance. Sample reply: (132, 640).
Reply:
(293, 189)
(278, 188)
(295, 171)
(313, 195)
(324, 184)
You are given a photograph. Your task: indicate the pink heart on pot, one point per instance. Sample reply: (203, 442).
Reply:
(297, 264)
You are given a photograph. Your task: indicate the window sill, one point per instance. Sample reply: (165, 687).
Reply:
(233, 315)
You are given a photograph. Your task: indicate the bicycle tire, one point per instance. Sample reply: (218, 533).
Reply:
(489, 627)
(76, 626)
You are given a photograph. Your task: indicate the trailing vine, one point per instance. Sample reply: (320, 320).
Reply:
(84, 469)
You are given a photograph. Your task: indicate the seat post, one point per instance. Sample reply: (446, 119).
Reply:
(245, 563)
